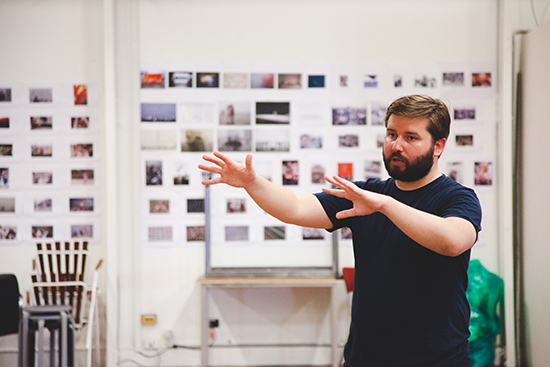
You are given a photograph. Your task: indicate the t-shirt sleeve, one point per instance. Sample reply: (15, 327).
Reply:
(464, 204)
(333, 204)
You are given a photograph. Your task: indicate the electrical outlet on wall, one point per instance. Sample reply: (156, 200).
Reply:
(151, 343)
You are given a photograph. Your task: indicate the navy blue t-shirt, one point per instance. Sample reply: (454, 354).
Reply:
(409, 303)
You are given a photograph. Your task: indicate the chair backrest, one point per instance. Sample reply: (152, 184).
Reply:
(9, 304)
(60, 275)
(348, 274)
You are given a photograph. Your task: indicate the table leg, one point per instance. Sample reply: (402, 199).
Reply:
(204, 326)
(334, 326)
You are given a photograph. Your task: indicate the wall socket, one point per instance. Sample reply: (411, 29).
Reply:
(151, 343)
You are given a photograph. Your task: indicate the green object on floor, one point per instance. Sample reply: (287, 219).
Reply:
(485, 291)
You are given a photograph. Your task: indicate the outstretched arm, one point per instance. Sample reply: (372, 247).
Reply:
(278, 201)
(447, 236)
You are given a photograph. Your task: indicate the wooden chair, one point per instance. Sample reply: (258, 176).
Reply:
(60, 279)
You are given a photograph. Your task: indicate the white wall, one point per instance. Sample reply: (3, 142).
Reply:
(62, 41)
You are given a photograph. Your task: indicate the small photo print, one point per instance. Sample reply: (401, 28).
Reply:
(481, 80)
(453, 79)
(158, 112)
(80, 94)
(235, 206)
(181, 177)
(274, 233)
(208, 80)
(290, 81)
(4, 178)
(370, 81)
(464, 140)
(273, 113)
(6, 150)
(272, 140)
(7, 205)
(344, 81)
(235, 140)
(398, 80)
(484, 173)
(180, 79)
(150, 80)
(4, 122)
(373, 169)
(262, 80)
(291, 172)
(159, 206)
(349, 116)
(235, 113)
(345, 171)
(80, 122)
(313, 234)
(346, 234)
(236, 233)
(42, 231)
(81, 204)
(43, 205)
(153, 173)
(158, 140)
(348, 141)
(160, 234)
(42, 178)
(8, 232)
(195, 205)
(196, 234)
(197, 140)
(456, 171)
(318, 174)
(464, 113)
(41, 150)
(378, 113)
(316, 81)
(82, 231)
(380, 138)
(236, 80)
(197, 113)
(5, 94)
(41, 123)
(311, 141)
(40, 95)
(425, 81)
(82, 150)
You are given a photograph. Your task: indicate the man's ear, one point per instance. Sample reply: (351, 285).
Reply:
(439, 146)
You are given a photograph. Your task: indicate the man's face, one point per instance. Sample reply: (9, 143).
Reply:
(408, 148)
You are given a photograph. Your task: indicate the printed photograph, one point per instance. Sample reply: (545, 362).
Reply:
(235, 206)
(262, 80)
(236, 80)
(4, 122)
(234, 140)
(311, 141)
(80, 94)
(40, 95)
(344, 81)
(160, 234)
(483, 173)
(196, 233)
(274, 233)
(82, 122)
(159, 206)
(373, 169)
(453, 79)
(349, 116)
(348, 141)
(42, 231)
(159, 140)
(236, 233)
(6, 150)
(464, 113)
(41, 150)
(8, 232)
(318, 174)
(41, 122)
(481, 80)
(290, 81)
(316, 81)
(43, 205)
(273, 113)
(7, 205)
(82, 150)
(464, 140)
(152, 80)
(378, 113)
(398, 80)
(81, 204)
(82, 231)
(4, 178)
(313, 234)
(197, 140)
(198, 113)
(153, 173)
(345, 170)
(425, 81)
(272, 140)
(291, 172)
(195, 205)
(82, 177)
(42, 178)
(208, 80)
(180, 79)
(181, 177)
(370, 81)
(5, 94)
(158, 112)
(235, 113)
(456, 171)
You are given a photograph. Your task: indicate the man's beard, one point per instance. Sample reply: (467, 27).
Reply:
(413, 170)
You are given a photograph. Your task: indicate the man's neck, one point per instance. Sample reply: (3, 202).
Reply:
(413, 185)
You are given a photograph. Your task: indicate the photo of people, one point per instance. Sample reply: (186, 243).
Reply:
(82, 150)
(4, 177)
(82, 231)
(42, 178)
(153, 173)
(40, 95)
(235, 113)
(8, 232)
(81, 204)
(80, 122)
(43, 205)
(41, 122)
(6, 150)
(291, 172)
(484, 173)
(41, 150)
(236, 206)
(481, 80)
(42, 231)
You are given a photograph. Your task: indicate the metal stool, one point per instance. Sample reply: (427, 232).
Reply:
(54, 318)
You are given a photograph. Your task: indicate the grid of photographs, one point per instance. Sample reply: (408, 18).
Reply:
(49, 166)
(300, 125)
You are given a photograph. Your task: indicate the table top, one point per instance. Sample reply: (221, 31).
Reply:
(277, 282)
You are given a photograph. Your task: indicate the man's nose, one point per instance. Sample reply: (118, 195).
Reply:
(398, 144)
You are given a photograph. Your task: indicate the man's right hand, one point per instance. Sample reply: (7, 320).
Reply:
(230, 172)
